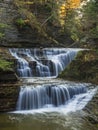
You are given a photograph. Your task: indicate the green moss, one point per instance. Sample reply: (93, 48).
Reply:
(2, 25)
(37, 19)
(20, 22)
(1, 35)
(5, 65)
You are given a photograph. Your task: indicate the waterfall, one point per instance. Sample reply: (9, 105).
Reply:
(39, 92)
(42, 62)
(32, 97)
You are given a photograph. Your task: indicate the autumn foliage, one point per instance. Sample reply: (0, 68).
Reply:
(69, 4)
(73, 3)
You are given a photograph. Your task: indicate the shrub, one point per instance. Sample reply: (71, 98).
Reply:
(5, 65)
(1, 35)
(21, 22)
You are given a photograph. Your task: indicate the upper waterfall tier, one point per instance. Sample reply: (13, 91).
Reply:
(42, 62)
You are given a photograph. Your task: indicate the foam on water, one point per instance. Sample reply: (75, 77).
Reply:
(38, 95)
(78, 102)
(42, 62)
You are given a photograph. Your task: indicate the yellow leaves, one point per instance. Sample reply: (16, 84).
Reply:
(69, 4)
(22, 3)
(26, 20)
(29, 2)
(62, 13)
(73, 3)
(63, 6)
(62, 10)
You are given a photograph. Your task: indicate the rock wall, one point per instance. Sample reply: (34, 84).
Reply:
(92, 110)
(9, 85)
(8, 76)
(84, 68)
(8, 97)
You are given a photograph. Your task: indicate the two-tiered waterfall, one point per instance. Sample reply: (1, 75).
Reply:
(44, 92)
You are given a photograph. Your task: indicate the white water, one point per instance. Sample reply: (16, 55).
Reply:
(42, 62)
(44, 95)
(78, 102)
(48, 95)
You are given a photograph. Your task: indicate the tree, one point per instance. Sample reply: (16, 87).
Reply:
(89, 19)
(82, 24)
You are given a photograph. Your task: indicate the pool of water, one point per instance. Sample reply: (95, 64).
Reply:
(65, 117)
(45, 121)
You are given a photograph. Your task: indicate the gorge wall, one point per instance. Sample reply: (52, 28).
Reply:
(9, 85)
(84, 68)
(8, 97)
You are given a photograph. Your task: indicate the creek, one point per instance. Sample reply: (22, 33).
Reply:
(46, 102)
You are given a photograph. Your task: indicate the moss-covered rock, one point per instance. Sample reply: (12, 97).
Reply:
(83, 68)
(5, 65)
(7, 68)
(9, 85)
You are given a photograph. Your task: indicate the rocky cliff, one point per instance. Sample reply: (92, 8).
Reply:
(9, 85)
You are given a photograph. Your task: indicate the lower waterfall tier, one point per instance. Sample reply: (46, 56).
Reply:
(32, 97)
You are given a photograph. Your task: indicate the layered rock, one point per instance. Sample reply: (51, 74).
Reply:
(92, 110)
(84, 68)
(8, 76)
(8, 97)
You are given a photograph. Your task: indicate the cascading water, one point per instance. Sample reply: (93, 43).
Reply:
(46, 63)
(42, 62)
(23, 68)
(47, 95)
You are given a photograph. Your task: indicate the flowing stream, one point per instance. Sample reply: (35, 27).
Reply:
(45, 102)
